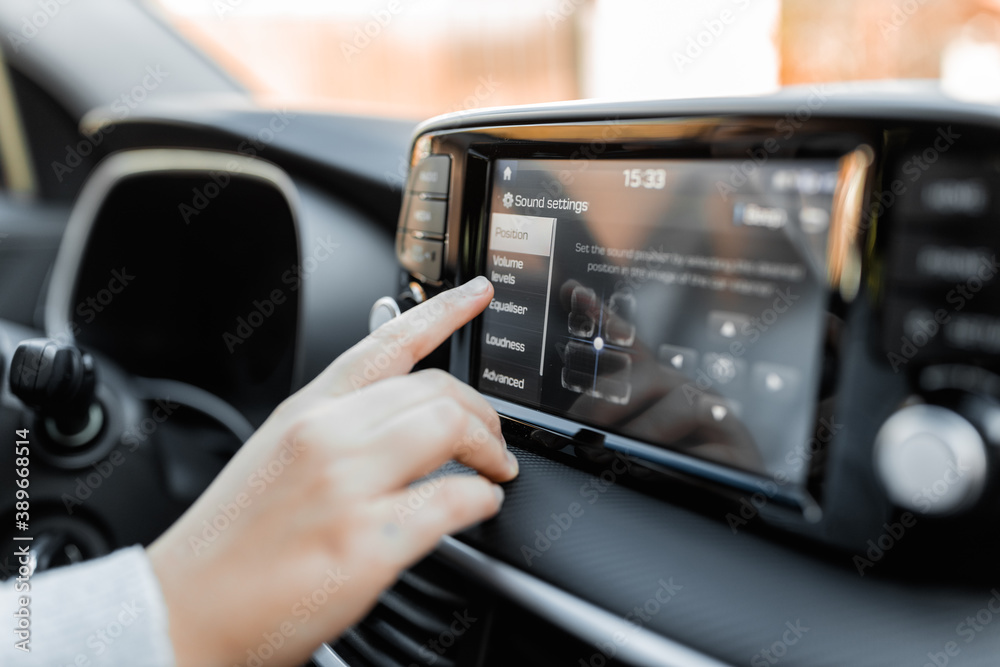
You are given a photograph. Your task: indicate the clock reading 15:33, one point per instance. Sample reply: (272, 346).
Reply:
(651, 179)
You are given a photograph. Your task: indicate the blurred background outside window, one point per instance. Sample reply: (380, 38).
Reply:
(418, 58)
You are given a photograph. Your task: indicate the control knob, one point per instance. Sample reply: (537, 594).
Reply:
(388, 308)
(931, 459)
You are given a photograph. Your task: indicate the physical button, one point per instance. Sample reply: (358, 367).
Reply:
(431, 175)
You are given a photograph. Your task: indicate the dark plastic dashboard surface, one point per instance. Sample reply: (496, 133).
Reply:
(362, 159)
(738, 595)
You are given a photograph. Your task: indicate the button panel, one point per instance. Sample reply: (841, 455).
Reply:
(936, 260)
(952, 191)
(421, 242)
(431, 175)
(421, 257)
(942, 273)
(426, 215)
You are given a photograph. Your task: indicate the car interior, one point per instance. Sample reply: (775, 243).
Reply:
(744, 341)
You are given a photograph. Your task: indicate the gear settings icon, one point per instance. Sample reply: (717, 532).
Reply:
(508, 200)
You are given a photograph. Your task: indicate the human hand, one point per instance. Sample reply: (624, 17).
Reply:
(310, 521)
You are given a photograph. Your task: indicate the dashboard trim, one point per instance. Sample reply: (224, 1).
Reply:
(864, 100)
(713, 472)
(325, 656)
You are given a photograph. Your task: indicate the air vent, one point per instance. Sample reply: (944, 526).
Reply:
(437, 617)
(430, 617)
(519, 637)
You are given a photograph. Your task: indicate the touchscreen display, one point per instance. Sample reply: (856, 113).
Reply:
(678, 303)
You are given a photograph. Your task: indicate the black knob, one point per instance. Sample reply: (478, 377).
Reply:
(59, 382)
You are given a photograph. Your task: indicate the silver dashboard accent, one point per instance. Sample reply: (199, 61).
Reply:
(417, 290)
(383, 310)
(582, 619)
(95, 422)
(325, 656)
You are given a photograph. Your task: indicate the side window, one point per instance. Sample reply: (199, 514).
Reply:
(63, 157)
(16, 165)
(34, 205)
(42, 152)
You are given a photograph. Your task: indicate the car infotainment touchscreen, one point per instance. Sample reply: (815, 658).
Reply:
(679, 304)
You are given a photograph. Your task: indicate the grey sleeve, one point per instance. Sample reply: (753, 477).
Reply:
(108, 611)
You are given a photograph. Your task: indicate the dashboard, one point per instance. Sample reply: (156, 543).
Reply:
(758, 310)
(678, 503)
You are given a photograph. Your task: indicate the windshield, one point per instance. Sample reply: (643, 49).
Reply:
(417, 58)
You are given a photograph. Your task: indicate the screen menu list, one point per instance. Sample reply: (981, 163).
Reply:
(514, 326)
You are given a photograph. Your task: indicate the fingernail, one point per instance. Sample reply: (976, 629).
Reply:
(498, 492)
(503, 441)
(477, 285)
(512, 461)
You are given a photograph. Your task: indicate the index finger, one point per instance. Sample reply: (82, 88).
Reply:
(397, 345)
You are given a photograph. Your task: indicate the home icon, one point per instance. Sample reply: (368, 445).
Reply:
(506, 174)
